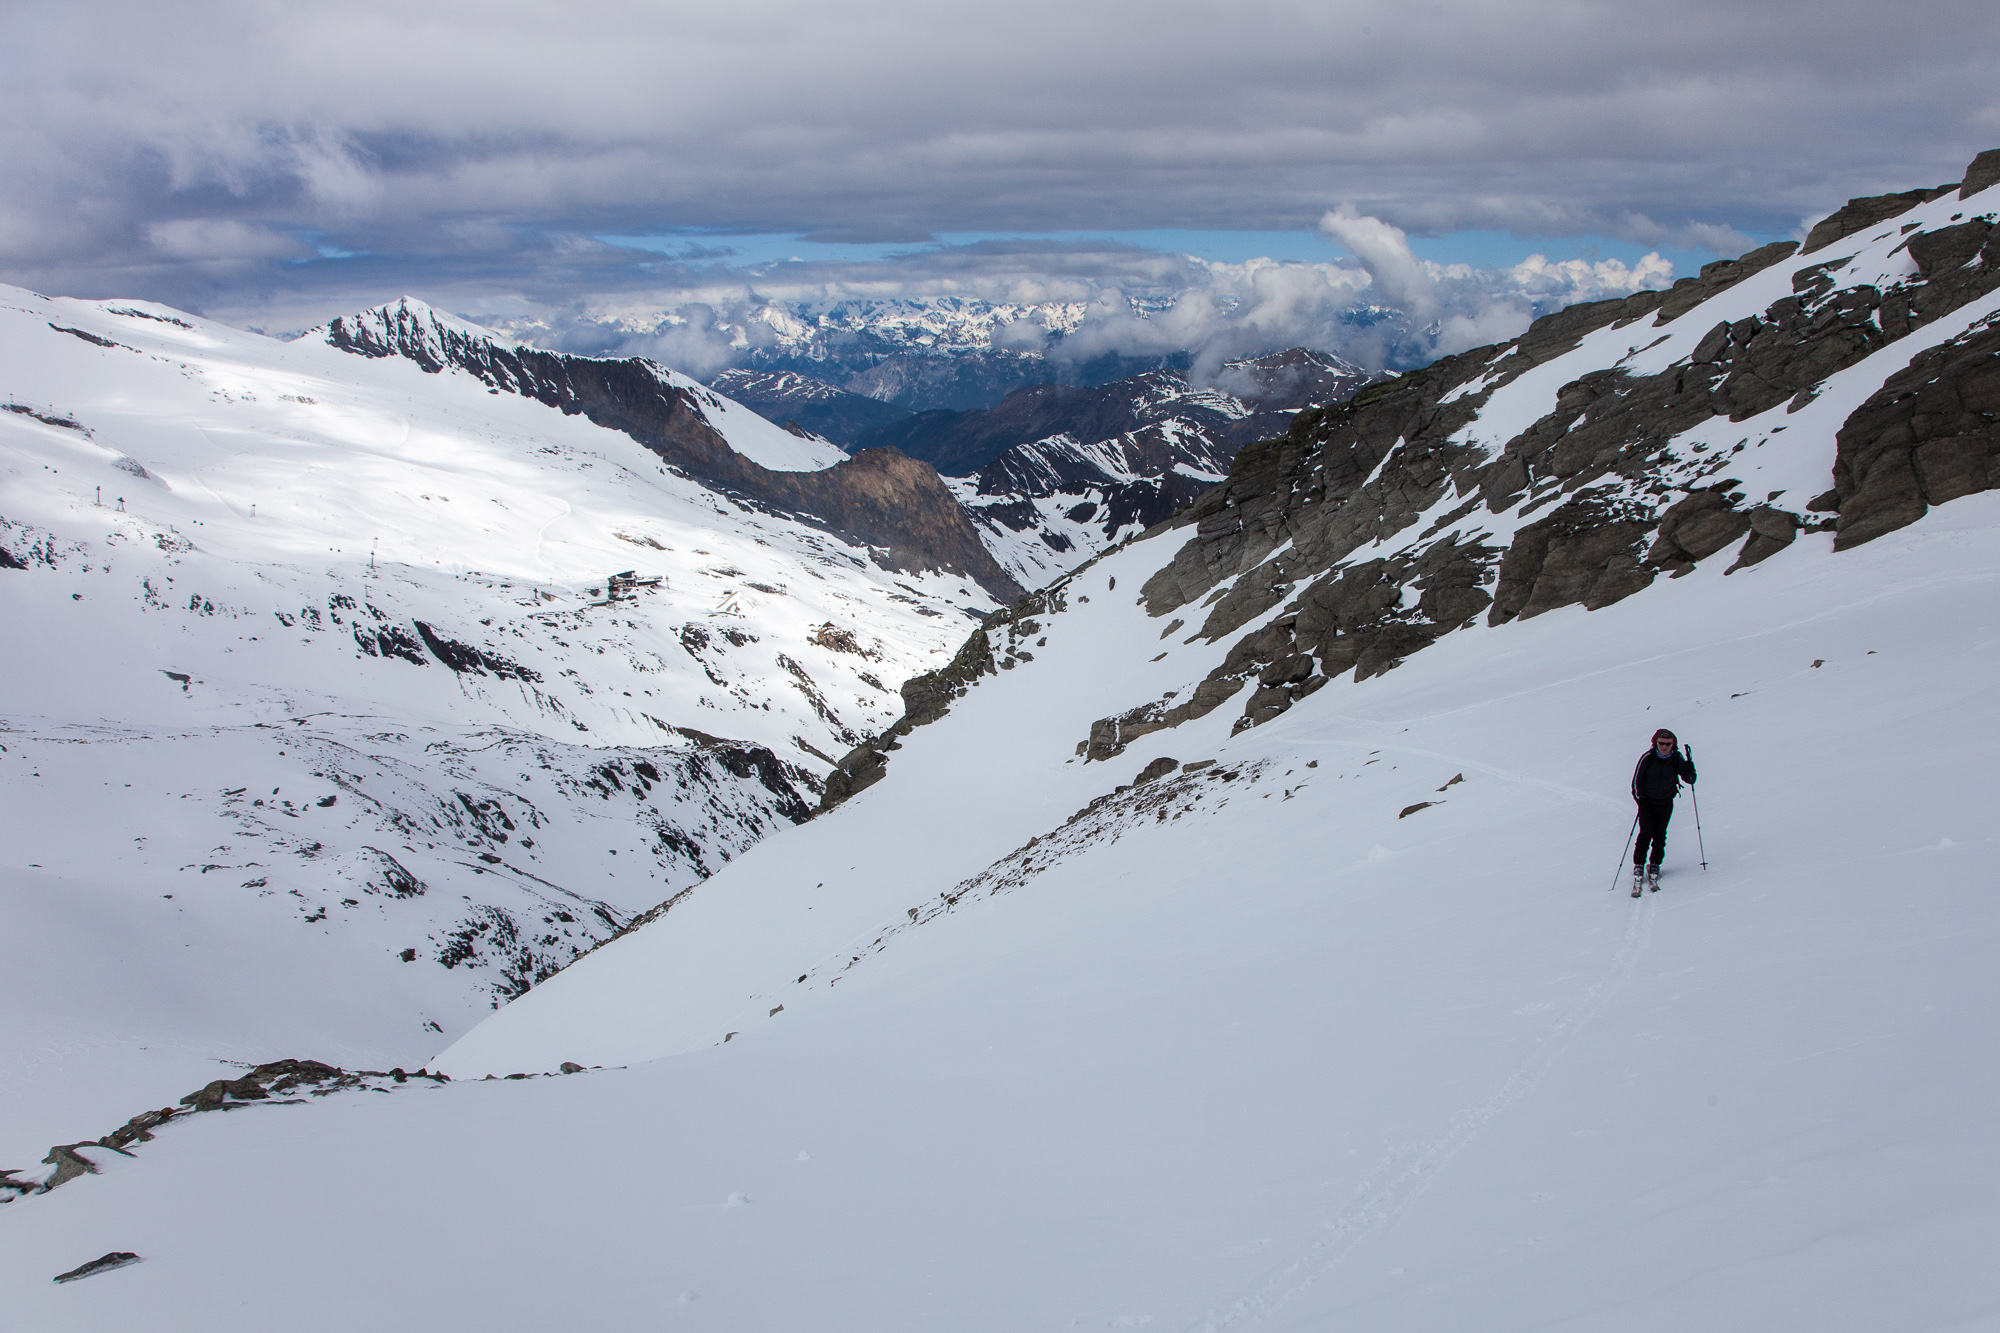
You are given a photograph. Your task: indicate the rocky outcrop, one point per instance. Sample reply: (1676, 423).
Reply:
(278, 1079)
(880, 499)
(1374, 526)
(1286, 531)
(999, 644)
(1930, 434)
(1859, 213)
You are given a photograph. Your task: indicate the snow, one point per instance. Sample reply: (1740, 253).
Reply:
(1353, 1027)
(199, 861)
(768, 445)
(1287, 1061)
(756, 439)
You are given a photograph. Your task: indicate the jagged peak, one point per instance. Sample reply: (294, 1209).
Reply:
(410, 318)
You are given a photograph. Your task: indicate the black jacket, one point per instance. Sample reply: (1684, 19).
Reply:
(1657, 779)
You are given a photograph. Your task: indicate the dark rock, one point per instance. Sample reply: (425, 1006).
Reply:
(1159, 768)
(858, 770)
(569, 1067)
(1930, 434)
(115, 1259)
(68, 1165)
(1695, 528)
(390, 641)
(1714, 278)
(138, 1129)
(1587, 551)
(466, 659)
(1771, 531)
(1984, 172)
(1859, 213)
(1409, 810)
(88, 337)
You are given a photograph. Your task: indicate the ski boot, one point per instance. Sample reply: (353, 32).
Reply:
(1653, 878)
(1638, 880)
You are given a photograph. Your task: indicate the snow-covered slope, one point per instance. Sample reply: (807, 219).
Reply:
(1048, 506)
(1240, 1048)
(409, 328)
(317, 661)
(1099, 1004)
(896, 506)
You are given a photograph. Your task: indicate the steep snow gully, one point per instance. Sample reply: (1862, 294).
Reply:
(1221, 939)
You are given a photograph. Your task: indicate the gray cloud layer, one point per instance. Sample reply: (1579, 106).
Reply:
(207, 154)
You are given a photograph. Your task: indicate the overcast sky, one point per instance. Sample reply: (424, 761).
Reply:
(273, 164)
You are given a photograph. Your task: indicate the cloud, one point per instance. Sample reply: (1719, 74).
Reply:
(462, 139)
(1385, 252)
(886, 234)
(1073, 301)
(200, 239)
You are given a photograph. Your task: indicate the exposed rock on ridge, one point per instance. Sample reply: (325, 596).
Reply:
(1627, 503)
(880, 499)
(1595, 498)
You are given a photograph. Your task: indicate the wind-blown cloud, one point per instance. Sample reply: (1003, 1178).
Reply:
(1385, 252)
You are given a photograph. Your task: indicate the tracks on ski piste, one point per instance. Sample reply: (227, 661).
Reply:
(1402, 1179)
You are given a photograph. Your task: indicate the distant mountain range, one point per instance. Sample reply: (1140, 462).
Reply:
(828, 411)
(953, 353)
(1054, 472)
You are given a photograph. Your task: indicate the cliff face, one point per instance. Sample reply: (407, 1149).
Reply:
(1840, 388)
(1612, 443)
(880, 499)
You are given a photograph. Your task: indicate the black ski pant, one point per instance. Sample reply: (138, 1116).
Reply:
(1653, 817)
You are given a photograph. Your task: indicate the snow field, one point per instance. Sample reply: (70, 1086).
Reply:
(248, 628)
(1287, 1061)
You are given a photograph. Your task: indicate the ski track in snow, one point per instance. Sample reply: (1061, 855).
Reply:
(1401, 1180)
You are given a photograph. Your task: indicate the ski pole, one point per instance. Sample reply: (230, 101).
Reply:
(1699, 840)
(1628, 847)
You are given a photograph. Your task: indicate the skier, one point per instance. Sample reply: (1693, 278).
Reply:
(1655, 783)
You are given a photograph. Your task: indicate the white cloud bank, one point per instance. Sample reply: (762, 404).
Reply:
(1075, 302)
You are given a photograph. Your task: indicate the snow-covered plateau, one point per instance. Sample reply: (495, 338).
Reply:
(1233, 934)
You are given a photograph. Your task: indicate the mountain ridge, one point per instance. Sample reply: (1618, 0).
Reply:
(883, 501)
(1272, 553)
